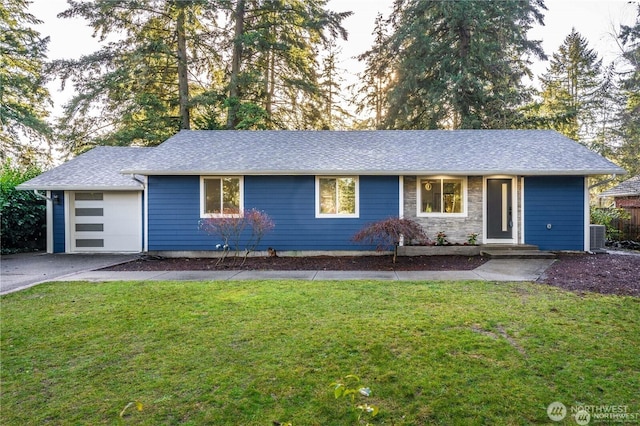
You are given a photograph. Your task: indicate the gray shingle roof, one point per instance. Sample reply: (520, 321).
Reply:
(628, 188)
(97, 169)
(473, 152)
(390, 152)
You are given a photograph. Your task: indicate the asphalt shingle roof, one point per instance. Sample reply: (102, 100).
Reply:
(386, 152)
(524, 152)
(628, 188)
(97, 169)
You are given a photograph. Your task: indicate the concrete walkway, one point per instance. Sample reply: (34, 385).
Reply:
(26, 270)
(493, 270)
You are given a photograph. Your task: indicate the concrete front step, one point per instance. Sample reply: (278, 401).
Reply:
(509, 247)
(516, 253)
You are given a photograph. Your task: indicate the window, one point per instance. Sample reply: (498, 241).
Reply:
(88, 196)
(221, 196)
(442, 196)
(337, 196)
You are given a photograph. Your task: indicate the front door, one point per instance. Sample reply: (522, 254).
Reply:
(499, 209)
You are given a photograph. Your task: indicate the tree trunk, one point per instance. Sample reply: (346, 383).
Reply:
(236, 60)
(183, 80)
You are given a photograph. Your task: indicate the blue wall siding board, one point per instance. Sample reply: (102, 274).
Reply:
(290, 201)
(59, 244)
(174, 212)
(559, 201)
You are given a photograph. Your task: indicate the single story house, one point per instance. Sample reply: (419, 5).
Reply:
(321, 187)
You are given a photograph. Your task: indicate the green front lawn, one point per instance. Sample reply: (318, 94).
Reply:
(251, 353)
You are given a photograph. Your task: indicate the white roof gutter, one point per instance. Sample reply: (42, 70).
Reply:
(371, 172)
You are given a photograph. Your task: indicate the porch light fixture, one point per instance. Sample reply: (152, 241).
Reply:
(427, 186)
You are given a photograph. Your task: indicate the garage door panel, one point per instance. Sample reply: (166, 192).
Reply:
(106, 222)
(89, 227)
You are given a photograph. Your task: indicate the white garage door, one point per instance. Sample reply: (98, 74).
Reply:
(107, 221)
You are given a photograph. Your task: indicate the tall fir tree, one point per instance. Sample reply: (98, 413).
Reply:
(135, 90)
(460, 64)
(376, 77)
(274, 78)
(180, 64)
(573, 85)
(25, 134)
(628, 152)
(331, 82)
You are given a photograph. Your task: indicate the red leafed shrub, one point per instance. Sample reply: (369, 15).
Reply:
(231, 230)
(386, 234)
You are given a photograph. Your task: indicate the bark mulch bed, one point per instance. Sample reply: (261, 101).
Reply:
(602, 273)
(307, 263)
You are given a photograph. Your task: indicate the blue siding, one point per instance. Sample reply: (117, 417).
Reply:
(559, 201)
(58, 222)
(289, 200)
(174, 212)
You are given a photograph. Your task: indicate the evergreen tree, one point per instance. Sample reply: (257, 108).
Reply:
(275, 60)
(377, 75)
(138, 88)
(460, 64)
(574, 84)
(628, 151)
(170, 65)
(24, 98)
(331, 87)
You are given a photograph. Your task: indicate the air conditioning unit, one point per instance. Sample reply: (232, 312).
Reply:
(597, 237)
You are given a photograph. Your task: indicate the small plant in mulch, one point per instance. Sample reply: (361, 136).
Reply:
(387, 234)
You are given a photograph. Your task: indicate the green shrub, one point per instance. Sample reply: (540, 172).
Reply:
(23, 214)
(607, 216)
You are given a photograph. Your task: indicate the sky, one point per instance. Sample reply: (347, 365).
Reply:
(596, 20)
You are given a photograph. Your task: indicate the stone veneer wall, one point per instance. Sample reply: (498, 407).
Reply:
(456, 228)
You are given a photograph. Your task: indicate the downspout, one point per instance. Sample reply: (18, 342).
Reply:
(141, 182)
(44, 197)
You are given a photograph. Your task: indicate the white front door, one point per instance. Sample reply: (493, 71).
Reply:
(106, 221)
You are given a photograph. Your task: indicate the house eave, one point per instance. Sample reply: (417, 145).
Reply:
(23, 187)
(621, 194)
(363, 172)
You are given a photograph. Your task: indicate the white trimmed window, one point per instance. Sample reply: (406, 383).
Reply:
(442, 196)
(221, 196)
(337, 196)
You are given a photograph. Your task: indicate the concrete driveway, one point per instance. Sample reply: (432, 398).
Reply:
(19, 271)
